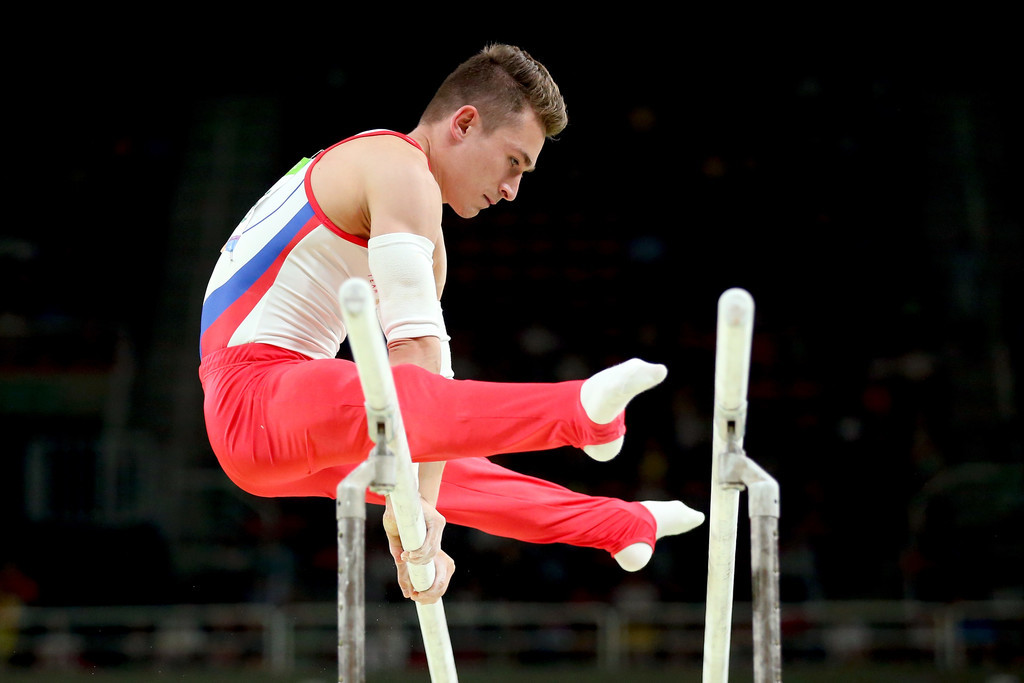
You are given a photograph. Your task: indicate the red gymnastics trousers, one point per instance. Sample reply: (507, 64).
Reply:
(282, 424)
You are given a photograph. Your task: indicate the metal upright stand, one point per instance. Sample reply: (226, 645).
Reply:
(376, 473)
(763, 506)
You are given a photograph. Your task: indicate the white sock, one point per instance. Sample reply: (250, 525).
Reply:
(671, 517)
(606, 394)
(635, 557)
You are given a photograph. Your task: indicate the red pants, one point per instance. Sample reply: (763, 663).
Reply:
(282, 424)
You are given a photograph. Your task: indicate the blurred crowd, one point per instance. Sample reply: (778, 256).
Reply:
(900, 469)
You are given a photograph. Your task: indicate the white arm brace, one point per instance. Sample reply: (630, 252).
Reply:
(402, 273)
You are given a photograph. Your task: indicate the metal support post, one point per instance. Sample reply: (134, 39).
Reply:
(763, 506)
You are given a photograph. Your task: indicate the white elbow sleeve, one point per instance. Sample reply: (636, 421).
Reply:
(402, 271)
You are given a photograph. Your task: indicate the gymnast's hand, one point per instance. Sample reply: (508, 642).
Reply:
(430, 551)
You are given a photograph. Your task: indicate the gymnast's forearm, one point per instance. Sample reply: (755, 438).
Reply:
(430, 480)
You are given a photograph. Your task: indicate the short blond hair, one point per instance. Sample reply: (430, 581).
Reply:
(501, 81)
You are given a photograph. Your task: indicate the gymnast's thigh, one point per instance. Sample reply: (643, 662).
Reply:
(314, 411)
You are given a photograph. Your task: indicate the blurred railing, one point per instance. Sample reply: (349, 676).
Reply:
(296, 637)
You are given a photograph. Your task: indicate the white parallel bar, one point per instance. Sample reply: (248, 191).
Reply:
(370, 354)
(732, 357)
(732, 372)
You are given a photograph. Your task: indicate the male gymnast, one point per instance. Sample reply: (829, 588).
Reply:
(286, 417)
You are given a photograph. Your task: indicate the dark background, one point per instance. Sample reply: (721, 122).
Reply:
(863, 185)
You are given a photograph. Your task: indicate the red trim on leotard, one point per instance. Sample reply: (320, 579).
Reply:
(327, 222)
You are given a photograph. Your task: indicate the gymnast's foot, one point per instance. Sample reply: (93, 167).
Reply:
(672, 517)
(606, 394)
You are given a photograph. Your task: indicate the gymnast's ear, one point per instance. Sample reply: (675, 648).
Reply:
(463, 121)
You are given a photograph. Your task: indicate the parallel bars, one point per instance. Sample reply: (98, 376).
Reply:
(388, 470)
(731, 472)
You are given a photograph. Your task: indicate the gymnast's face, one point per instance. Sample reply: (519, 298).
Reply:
(488, 164)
